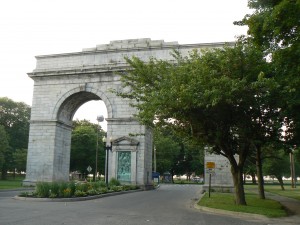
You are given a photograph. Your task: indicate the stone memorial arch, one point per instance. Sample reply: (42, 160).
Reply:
(63, 82)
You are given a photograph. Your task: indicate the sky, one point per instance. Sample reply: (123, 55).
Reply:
(39, 27)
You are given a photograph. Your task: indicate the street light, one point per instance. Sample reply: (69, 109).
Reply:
(100, 118)
(292, 163)
(107, 148)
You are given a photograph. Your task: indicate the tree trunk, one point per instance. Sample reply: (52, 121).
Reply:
(279, 178)
(172, 175)
(260, 179)
(237, 175)
(253, 176)
(4, 174)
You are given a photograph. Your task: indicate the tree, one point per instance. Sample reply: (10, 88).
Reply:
(14, 117)
(190, 160)
(250, 170)
(20, 158)
(277, 166)
(211, 97)
(167, 152)
(275, 27)
(83, 147)
(176, 156)
(3, 145)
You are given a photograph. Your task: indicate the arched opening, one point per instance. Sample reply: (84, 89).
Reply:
(90, 110)
(87, 159)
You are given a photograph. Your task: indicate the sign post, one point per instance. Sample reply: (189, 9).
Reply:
(89, 169)
(210, 169)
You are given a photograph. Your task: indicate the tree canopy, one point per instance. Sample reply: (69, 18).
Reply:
(14, 118)
(274, 26)
(224, 98)
(83, 147)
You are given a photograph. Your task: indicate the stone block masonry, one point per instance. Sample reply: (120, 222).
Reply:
(63, 82)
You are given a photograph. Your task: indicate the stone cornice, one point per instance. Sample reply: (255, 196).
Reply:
(80, 70)
(110, 57)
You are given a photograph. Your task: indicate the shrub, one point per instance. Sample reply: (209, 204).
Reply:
(116, 188)
(95, 185)
(79, 193)
(52, 195)
(92, 192)
(103, 190)
(67, 193)
(54, 189)
(83, 187)
(102, 184)
(134, 187)
(114, 182)
(72, 187)
(62, 187)
(42, 189)
(126, 187)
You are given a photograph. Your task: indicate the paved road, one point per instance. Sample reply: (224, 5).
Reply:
(170, 204)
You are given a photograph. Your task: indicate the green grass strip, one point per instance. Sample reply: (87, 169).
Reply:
(10, 184)
(225, 201)
(288, 192)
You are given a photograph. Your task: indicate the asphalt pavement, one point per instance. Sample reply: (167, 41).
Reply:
(169, 204)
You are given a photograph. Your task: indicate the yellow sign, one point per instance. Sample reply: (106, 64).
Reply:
(210, 165)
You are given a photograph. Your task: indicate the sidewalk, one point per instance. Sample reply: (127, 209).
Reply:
(292, 205)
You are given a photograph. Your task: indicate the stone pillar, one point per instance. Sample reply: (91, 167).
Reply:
(48, 156)
(129, 135)
(221, 178)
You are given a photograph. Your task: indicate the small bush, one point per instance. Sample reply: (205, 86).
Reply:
(127, 187)
(83, 187)
(92, 192)
(114, 182)
(101, 184)
(42, 189)
(79, 193)
(52, 195)
(67, 193)
(134, 187)
(116, 188)
(103, 190)
(72, 187)
(54, 189)
(62, 187)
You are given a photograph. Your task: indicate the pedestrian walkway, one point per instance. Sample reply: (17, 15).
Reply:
(292, 205)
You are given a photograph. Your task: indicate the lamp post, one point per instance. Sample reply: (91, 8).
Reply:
(292, 163)
(100, 118)
(107, 148)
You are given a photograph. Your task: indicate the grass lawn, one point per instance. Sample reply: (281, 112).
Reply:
(11, 183)
(225, 201)
(288, 192)
(276, 189)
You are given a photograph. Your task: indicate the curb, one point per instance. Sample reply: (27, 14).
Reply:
(17, 189)
(75, 199)
(231, 213)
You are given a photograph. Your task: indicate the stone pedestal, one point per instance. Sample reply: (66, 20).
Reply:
(221, 178)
